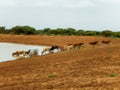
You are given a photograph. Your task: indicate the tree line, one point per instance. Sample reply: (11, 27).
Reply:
(27, 30)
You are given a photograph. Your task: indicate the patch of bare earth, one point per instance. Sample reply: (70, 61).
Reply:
(91, 68)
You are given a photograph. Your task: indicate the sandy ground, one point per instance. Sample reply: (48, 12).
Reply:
(90, 68)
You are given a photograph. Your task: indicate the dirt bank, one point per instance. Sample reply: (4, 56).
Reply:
(91, 68)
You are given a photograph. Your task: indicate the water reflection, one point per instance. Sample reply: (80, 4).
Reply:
(6, 50)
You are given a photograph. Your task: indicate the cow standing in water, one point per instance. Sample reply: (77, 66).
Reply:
(53, 48)
(23, 54)
(45, 50)
(19, 53)
(32, 52)
(50, 49)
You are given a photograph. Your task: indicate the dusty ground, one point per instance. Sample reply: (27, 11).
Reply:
(91, 68)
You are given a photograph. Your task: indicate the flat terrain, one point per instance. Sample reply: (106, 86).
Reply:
(90, 68)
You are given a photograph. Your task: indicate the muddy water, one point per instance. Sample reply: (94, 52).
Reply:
(6, 50)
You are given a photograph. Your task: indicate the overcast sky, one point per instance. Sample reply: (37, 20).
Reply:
(79, 14)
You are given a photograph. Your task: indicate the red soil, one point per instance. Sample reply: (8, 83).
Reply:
(91, 68)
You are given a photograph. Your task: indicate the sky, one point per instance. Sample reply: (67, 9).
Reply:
(96, 15)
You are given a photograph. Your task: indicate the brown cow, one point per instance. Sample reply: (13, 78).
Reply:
(106, 41)
(18, 53)
(46, 49)
(69, 47)
(78, 45)
(93, 43)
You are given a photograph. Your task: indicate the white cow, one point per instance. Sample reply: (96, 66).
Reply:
(32, 52)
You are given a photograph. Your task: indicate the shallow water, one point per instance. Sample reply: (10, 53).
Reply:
(6, 50)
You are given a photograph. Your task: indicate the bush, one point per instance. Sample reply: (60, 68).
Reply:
(27, 30)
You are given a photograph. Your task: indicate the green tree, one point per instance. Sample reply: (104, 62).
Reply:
(46, 31)
(91, 33)
(80, 33)
(2, 29)
(107, 33)
(69, 31)
(60, 31)
(27, 30)
(116, 34)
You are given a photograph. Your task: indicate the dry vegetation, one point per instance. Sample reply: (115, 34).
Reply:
(91, 68)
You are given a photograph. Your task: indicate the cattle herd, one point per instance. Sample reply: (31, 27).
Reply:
(51, 49)
(81, 45)
(29, 53)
